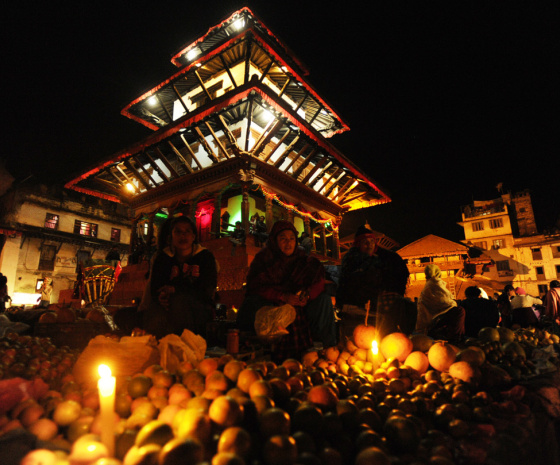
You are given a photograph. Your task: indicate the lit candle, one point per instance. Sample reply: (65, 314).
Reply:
(374, 355)
(106, 388)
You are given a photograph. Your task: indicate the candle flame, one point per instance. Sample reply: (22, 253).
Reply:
(104, 371)
(374, 347)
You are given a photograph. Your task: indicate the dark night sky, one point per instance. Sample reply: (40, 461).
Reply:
(444, 99)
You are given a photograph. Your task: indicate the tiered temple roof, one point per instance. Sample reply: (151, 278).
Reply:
(238, 105)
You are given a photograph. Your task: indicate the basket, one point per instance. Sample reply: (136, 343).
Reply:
(73, 335)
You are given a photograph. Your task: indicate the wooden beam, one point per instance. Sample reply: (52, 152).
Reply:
(218, 142)
(344, 186)
(346, 189)
(119, 180)
(164, 108)
(285, 86)
(123, 173)
(202, 84)
(247, 60)
(227, 132)
(156, 166)
(191, 152)
(286, 152)
(265, 137)
(313, 170)
(228, 71)
(145, 171)
(136, 173)
(180, 99)
(280, 142)
(301, 101)
(335, 183)
(354, 197)
(206, 145)
(166, 162)
(305, 163)
(334, 173)
(180, 157)
(315, 115)
(113, 187)
(265, 72)
(297, 156)
(249, 121)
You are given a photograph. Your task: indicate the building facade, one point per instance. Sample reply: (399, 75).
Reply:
(49, 231)
(506, 230)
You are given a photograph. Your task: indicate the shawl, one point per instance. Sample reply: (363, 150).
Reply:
(435, 299)
(273, 274)
(553, 304)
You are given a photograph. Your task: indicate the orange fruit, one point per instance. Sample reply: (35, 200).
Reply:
(261, 387)
(217, 380)
(195, 381)
(441, 356)
(66, 412)
(235, 439)
(364, 336)
(232, 369)
(274, 421)
(323, 396)
(208, 365)
(464, 371)
(397, 345)
(192, 423)
(225, 411)
(418, 360)
(247, 377)
(163, 378)
(139, 386)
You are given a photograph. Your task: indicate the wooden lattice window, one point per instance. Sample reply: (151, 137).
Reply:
(47, 258)
(85, 229)
(115, 235)
(51, 221)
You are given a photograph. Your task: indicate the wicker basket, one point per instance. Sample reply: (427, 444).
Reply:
(74, 335)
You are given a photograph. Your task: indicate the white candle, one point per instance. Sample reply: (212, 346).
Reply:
(374, 355)
(106, 388)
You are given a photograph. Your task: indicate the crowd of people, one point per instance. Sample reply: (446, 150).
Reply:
(372, 281)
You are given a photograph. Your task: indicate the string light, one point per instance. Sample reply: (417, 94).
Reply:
(288, 206)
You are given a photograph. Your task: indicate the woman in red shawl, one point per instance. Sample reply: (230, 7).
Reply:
(282, 273)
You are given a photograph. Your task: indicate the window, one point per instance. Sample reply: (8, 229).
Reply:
(558, 271)
(502, 265)
(498, 243)
(496, 223)
(115, 235)
(543, 288)
(480, 245)
(537, 253)
(51, 221)
(47, 258)
(85, 229)
(540, 271)
(478, 226)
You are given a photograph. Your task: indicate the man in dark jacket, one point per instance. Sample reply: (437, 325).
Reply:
(479, 312)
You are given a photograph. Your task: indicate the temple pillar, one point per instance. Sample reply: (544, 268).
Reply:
(269, 215)
(151, 217)
(291, 216)
(336, 238)
(324, 240)
(245, 208)
(307, 226)
(217, 217)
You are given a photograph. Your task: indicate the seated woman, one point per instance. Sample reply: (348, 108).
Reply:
(438, 313)
(281, 273)
(182, 283)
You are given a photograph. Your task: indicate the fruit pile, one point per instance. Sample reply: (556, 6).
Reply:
(417, 401)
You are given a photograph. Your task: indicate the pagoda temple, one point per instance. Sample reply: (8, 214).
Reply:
(238, 131)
